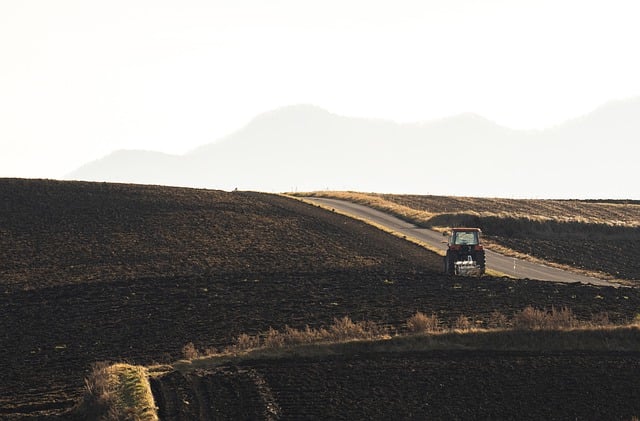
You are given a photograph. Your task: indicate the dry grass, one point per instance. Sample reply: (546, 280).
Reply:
(535, 319)
(497, 320)
(421, 323)
(117, 392)
(99, 398)
(189, 351)
(462, 324)
(342, 330)
(552, 324)
(530, 330)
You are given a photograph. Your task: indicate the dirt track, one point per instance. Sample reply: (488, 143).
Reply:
(94, 272)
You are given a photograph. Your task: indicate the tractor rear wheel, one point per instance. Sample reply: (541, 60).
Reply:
(449, 264)
(481, 260)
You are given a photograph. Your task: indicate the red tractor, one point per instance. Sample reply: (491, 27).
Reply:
(465, 254)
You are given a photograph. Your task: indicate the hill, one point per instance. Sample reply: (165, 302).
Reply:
(306, 148)
(112, 272)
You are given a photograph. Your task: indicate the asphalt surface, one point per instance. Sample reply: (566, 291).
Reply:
(510, 266)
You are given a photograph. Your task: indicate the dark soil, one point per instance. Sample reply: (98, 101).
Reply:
(452, 385)
(109, 272)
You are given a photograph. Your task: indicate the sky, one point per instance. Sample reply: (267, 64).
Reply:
(80, 79)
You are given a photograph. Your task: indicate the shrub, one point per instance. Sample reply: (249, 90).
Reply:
(421, 323)
(529, 318)
(98, 398)
(341, 330)
(189, 351)
(295, 336)
(345, 328)
(274, 339)
(601, 319)
(497, 320)
(532, 319)
(244, 342)
(462, 323)
(562, 319)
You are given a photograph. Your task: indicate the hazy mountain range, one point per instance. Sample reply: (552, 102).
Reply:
(307, 148)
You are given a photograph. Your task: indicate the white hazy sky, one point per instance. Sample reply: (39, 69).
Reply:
(81, 78)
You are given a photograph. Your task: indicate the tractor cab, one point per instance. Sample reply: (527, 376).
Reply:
(465, 237)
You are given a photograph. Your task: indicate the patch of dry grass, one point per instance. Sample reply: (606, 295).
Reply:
(421, 323)
(536, 319)
(117, 392)
(555, 329)
(461, 336)
(342, 330)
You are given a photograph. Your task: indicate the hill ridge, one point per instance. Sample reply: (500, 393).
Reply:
(305, 147)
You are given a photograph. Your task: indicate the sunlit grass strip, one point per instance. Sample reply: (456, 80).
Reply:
(133, 392)
(528, 330)
(594, 339)
(118, 391)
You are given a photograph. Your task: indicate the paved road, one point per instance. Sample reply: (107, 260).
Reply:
(508, 265)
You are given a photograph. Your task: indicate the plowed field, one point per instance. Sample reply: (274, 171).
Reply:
(449, 385)
(105, 272)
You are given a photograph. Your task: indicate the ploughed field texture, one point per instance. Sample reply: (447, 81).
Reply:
(110, 272)
(449, 385)
(595, 235)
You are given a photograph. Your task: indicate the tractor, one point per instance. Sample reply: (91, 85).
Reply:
(465, 254)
